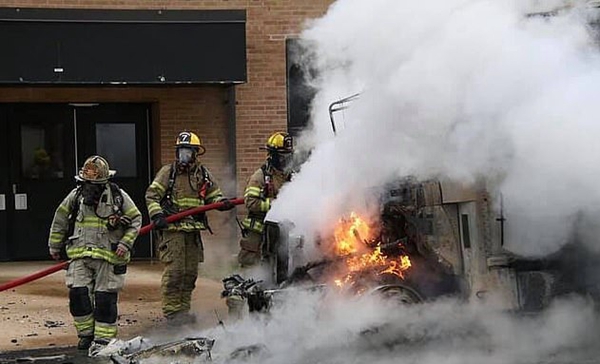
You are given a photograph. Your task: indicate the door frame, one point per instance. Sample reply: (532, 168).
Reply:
(8, 168)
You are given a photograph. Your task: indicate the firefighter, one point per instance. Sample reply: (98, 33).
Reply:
(262, 188)
(97, 223)
(179, 186)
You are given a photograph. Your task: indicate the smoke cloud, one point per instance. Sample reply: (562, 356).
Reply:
(464, 89)
(460, 89)
(311, 328)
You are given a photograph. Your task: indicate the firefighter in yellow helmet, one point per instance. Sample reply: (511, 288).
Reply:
(97, 223)
(179, 186)
(262, 188)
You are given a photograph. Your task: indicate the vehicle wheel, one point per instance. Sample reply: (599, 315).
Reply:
(398, 293)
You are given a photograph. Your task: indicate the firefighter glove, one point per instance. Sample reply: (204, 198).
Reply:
(122, 249)
(55, 254)
(125, 221)
(112, 223)
(160, 222)
(227, 205)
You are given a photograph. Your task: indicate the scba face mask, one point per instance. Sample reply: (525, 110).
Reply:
(281, 161)
(185, 156)
(91, 193)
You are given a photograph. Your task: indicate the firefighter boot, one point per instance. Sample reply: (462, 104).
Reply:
(84, 342)
(97, 346)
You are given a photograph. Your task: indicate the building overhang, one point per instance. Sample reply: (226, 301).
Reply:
(122, 47)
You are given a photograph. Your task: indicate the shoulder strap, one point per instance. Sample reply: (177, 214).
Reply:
(205, 175)
(75, 204)
(266, 172)
(204, 184)
(116, 195)
(172, 176)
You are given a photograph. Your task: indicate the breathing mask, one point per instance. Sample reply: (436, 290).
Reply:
(91, 193)
(281, 161)
(185, 156)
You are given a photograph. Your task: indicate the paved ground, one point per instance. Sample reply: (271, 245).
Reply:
(36, 315)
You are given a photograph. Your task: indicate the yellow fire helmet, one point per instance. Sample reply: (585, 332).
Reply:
(191, 140)
(280, 142)
(95, 170)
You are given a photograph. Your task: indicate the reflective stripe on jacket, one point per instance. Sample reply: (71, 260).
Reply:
(258, 199)
(184, 195)
(91, 236)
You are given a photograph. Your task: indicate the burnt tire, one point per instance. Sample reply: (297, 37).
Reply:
(398, 293)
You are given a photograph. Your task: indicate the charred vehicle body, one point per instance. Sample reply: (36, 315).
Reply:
(431, 239)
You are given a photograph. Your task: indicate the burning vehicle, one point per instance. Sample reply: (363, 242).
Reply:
(430, 239)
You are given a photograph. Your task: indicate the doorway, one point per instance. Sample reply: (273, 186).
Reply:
(43, 146)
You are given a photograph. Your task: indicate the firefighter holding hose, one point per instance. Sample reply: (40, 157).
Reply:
(178, 186)
(261, 190)
(97, 223)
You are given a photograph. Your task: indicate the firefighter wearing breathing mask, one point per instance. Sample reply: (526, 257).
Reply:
(97, 224)
(179, 186)
(262, 188)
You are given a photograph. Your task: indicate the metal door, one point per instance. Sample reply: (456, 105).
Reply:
(119, 133)
(42, 146)
(39, 162)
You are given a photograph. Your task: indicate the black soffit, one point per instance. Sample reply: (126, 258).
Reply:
(108, 47)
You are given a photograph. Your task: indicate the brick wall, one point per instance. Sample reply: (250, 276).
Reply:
(261, 103)
(201, 109)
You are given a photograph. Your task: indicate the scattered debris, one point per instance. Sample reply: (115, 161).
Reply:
(41, 358)
(52, 324)
(119, 347)
(131, 352)
(256, 351)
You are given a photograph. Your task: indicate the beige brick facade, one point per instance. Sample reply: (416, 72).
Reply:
(260, 107)
(261, 103)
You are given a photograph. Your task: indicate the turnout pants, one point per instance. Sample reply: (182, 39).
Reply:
(93, 293)
(250, 249)
(180, 252)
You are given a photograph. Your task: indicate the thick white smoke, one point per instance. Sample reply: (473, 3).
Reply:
(460, 89)
(322, 330)
(454, 88)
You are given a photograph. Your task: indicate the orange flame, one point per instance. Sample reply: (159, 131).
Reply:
(350, 236)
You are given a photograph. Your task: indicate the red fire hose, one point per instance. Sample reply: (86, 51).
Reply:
(144, 230)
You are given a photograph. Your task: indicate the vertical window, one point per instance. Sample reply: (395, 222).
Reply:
(42, 151)
(299, 92)
(466, 233)
(117, 143)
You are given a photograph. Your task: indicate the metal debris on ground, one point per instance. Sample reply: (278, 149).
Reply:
(192, 349)
(52, 324)
(41, 358)
(120, 347)
(256, 351)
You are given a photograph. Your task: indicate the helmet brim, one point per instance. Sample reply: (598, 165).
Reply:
(282, 151)
(200, 148)
(111, 174)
